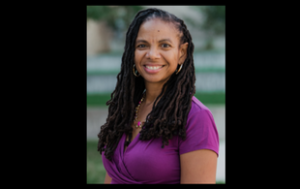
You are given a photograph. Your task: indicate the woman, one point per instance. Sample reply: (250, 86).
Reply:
(156, 131)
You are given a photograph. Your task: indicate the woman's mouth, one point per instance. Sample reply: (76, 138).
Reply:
(152, 69)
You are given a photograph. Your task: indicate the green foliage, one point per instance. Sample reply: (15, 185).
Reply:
(213, 23)
(114, 16)
(128, 13)
(214, 18)
(98, 12)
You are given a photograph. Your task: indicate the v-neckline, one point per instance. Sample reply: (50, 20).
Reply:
(131, 143)
(133, 140)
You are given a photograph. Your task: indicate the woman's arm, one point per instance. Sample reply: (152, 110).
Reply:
(198, 167)
(107, 179)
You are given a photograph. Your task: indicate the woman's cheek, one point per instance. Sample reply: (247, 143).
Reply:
(137, 56)
(137, 61)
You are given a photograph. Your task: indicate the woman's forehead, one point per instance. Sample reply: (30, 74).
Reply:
(157, 29)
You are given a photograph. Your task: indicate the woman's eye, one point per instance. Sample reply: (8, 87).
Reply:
(141, 46)
(165, 45)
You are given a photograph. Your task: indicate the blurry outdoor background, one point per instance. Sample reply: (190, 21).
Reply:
(106, 32)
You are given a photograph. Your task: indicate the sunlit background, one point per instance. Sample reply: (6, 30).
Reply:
(106, 32)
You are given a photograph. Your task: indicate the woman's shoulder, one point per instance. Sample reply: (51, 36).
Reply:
(200, 118)
(201, 130)
(199, 112)
(197, 106)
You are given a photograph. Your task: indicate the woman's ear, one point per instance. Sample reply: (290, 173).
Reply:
(183, 52)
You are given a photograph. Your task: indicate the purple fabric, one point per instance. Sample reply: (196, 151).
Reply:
(145, 162)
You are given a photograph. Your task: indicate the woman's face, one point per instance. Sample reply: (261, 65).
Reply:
(157, 51)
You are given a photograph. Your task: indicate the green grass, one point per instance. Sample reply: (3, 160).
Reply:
(95, 169)
(217, 98)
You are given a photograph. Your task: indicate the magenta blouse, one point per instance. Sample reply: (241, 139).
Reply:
(145, 162)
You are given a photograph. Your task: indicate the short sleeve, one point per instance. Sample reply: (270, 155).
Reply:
(201, 133)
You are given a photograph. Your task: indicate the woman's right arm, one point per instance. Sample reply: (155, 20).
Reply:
(107, 179)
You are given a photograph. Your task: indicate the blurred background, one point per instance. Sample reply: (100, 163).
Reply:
(106, 33)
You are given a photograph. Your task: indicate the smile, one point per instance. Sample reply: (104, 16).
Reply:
(153, 67)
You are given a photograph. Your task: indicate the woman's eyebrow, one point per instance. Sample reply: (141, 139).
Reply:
(164, 40)
(141, 41)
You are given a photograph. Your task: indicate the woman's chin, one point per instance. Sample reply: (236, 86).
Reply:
(154, 80)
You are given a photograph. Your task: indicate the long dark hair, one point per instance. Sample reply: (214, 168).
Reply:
(169, 115)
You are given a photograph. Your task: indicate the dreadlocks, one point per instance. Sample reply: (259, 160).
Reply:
(169, 115)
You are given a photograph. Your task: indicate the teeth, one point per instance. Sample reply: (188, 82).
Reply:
(153, 67)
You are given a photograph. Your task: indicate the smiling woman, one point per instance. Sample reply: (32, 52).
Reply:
(157, 54)
(157, 132)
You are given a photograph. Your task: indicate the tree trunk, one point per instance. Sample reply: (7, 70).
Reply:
(98, 37)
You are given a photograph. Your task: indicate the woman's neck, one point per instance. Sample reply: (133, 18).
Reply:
(152, 92)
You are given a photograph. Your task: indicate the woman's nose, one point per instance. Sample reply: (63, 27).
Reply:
(153, 53)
